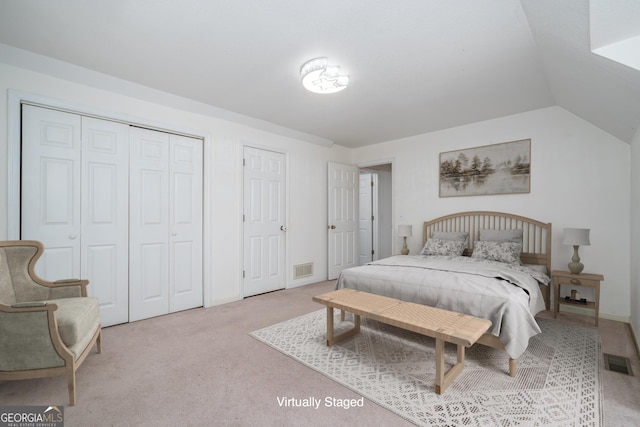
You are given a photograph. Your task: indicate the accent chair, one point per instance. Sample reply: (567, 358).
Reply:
(46, 328)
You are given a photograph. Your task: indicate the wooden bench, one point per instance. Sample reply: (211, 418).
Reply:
(445, 326)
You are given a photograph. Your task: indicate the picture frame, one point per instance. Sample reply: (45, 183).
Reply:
(503, 168)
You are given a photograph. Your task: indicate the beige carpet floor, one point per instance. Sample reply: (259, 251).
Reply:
(201, 367)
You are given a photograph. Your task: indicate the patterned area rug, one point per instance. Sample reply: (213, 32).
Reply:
(557, 383)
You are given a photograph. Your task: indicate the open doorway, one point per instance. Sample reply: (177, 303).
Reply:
(375, 213)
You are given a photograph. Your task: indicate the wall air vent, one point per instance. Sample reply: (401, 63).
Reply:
(302, 270)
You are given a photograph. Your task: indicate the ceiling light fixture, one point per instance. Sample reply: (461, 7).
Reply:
(320, 77)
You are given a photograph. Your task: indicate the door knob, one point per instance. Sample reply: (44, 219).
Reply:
(283, 228)
(72, 236)
(332, 227)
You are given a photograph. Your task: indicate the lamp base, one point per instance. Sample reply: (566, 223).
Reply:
(405, 249)
(576, 267)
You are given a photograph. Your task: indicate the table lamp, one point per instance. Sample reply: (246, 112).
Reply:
(405, 231)
(576, 237)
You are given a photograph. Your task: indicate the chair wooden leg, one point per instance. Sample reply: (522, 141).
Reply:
(99, 342)
(71, 384)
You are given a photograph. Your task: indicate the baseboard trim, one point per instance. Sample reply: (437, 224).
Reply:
(310, 281)
(589, 312)
(634, 337)
(224, 301)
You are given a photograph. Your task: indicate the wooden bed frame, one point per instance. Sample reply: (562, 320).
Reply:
(536, 246)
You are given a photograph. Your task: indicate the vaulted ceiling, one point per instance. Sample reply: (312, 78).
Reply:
(415, 66)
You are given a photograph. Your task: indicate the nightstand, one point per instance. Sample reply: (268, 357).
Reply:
(587, 280)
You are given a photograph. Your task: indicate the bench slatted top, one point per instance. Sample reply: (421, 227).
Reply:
(434, 322)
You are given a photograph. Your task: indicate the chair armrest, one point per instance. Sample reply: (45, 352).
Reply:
(59, 286)
(29, 304)
(70, 282)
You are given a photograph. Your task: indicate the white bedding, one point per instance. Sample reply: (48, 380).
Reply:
(508, 295)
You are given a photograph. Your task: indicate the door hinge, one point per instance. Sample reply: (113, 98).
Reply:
(243, 218)
(243, 274)
(372, 183)
(372, 217)
(244, 162)
(373, 252)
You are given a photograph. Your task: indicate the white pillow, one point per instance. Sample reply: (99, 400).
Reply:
(443, 247)
(507, 252)
(501, 235)
(450, 235)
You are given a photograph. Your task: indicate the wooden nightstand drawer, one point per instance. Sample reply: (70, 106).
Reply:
(577, 281)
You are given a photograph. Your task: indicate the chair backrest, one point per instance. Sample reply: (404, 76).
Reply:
(7, 295)
(17, 260)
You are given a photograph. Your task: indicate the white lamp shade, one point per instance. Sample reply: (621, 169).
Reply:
(405, 230)
(576, 237)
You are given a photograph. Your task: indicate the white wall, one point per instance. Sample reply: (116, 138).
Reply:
(307, 166)
(580, 177)
(635, 236)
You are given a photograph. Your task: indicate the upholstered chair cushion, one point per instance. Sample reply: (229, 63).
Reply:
(78, 319)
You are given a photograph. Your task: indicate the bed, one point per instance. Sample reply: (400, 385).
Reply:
(470, 263)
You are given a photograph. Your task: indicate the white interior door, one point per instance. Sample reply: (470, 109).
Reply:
(365, 220)
(79, 199)
(149, 222)
(50, 189)
(368, 218)
(344, 184)
(185, 240)
(104, 221)
(264, 221)
(75, 201)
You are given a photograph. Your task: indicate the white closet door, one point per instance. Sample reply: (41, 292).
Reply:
(149, 224)
(185, 240)
(75, 201)
(105, 216)
(165, 268)
(50, 189)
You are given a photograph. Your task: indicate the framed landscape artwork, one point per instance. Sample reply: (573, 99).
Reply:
(491, 169)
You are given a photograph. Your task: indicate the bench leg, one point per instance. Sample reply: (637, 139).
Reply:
(331, 337)
(444, 379)
(513, 363)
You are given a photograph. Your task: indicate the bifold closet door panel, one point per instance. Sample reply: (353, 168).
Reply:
(105, 216)
(50, 189)
(149, 224)
(185, 240)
